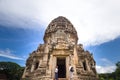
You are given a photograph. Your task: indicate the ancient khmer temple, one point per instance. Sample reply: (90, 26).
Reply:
(60, 48)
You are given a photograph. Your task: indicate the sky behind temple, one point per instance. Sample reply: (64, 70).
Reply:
(23, 23)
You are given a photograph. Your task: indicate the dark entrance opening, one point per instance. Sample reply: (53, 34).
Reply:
(61, 63)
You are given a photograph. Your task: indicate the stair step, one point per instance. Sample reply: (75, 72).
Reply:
(62, 79)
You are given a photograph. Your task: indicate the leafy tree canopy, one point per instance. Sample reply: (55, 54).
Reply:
(111, 76)
(12, 70)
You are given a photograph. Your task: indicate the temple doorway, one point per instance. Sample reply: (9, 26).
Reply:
(61, 63)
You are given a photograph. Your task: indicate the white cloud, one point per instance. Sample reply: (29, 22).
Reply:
(8, 54)
(96, 21)
(106, 67)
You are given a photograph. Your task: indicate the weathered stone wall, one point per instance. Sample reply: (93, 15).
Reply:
(60, 41)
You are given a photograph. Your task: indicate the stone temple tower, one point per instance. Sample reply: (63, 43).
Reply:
(60, 48)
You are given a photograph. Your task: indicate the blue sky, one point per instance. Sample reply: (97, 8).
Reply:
(17, 43)
(23, 22)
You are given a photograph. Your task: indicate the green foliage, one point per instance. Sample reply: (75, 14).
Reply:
(118, 65)
(101, 78)
(111, 76)
(117, 71)
(12, 70)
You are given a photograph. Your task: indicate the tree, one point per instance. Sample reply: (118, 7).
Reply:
(111, 76)
(12, 70)
(117, 71)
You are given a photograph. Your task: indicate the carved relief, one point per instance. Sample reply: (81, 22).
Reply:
(60, 40)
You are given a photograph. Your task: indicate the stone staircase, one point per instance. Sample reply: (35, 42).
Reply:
(62, 79)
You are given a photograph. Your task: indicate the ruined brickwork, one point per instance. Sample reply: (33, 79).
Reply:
(60, 48)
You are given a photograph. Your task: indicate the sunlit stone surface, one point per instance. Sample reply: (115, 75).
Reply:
(60, 48)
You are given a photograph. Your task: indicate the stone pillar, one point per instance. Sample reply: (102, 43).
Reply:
(50, 65)
(23, 76)
(46, 48)
(45, 59)
(87, 65)
(40, 61)
(75, 55)
(33, 65)
(67, 66)
(32, 68)
(54, 60)
(71, 60)
(50, 62)
(75, 62)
